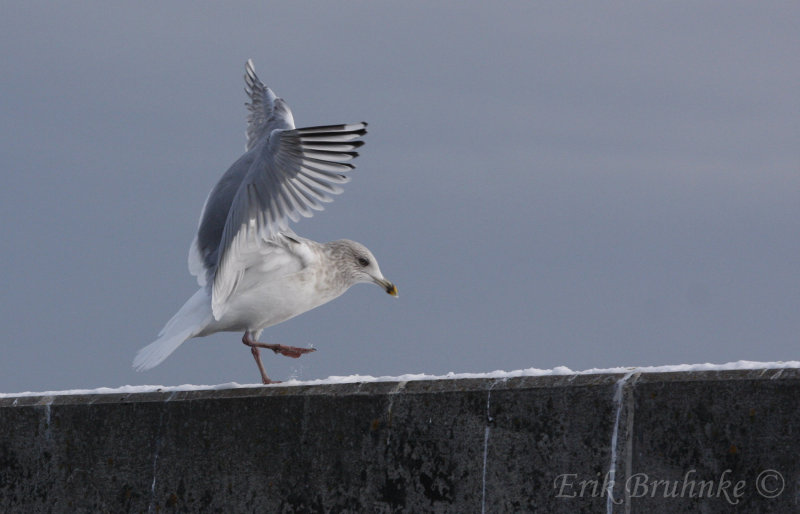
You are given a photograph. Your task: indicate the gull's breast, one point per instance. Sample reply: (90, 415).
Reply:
(266, 303)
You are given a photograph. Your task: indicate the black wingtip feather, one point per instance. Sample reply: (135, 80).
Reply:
(341, 128)
(337, 146)
(314, 134)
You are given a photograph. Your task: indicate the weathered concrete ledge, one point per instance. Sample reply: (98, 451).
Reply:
(713, 441)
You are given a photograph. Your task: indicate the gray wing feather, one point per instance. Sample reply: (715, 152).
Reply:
(289, 177)
(204, 252)
(285, 174)
(267, 111)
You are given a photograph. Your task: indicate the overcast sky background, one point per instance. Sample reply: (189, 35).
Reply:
(548, 184)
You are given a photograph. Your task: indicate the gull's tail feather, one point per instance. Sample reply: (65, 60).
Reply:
(190, 320)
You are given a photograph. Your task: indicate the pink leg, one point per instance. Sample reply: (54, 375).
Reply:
(289, 351)
(257, 356)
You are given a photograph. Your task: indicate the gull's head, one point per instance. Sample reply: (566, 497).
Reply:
(359, 265)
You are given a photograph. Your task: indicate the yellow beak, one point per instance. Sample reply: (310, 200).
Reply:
(387, 286)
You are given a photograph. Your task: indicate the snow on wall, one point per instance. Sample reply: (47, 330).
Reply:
(529, 372)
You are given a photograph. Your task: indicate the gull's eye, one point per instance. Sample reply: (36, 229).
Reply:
(363, 261)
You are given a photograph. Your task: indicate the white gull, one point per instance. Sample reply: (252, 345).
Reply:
(253, 270)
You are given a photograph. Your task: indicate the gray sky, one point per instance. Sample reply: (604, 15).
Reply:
(547, 184)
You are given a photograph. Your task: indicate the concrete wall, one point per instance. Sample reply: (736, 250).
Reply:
(682, 442)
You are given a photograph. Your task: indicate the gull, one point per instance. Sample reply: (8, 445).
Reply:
(252, 269)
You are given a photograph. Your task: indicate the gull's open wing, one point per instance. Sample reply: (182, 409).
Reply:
(286, 173)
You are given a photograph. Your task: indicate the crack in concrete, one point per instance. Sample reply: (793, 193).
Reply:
(47, 401)
(629, 440)
(612, 469)
(486, 431)
(390, 408)
(152, 506)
